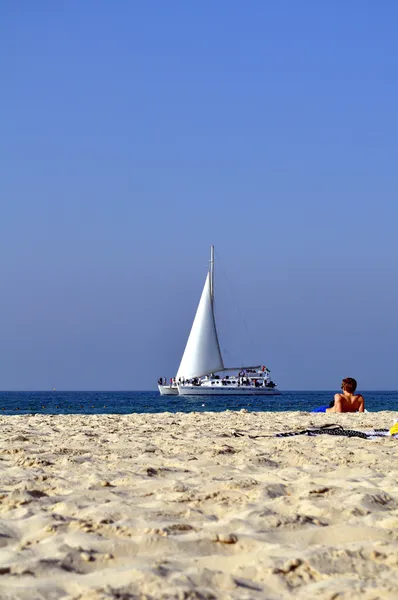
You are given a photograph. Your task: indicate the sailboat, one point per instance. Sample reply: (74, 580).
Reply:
(202, 370)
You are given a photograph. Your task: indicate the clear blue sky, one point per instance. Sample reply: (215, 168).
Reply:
(135, 134)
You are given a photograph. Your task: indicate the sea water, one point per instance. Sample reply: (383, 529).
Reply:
(13, 403)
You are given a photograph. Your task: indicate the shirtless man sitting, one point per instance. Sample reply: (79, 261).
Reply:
(348, 401)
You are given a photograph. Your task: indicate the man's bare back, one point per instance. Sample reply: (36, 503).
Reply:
(347, 402)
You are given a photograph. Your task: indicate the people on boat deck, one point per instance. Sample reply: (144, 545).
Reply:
(239, 380)
(348, 401)
(163, 381)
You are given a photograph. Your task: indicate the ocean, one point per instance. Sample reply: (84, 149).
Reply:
(13, 403)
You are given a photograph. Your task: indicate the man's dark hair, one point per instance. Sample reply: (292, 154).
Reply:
(349, 385)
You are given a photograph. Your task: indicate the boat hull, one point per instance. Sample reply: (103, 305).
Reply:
(202, 390)
(167, 390)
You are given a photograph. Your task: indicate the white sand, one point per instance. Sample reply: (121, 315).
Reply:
(173, 506)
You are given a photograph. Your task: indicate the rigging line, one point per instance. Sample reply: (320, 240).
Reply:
(217, 254)
(232, 292)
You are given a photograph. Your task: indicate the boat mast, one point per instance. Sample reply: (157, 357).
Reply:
(212, 273)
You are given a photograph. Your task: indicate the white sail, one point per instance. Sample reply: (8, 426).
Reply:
(202, 353)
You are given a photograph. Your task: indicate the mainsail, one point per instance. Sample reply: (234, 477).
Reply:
(202, 353)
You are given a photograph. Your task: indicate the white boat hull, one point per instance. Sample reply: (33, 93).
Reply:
(167, 390)
(203, 390)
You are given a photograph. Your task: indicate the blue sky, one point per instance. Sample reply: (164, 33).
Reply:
(136, 134)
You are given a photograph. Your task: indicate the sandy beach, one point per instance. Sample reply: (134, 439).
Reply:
(174, 506)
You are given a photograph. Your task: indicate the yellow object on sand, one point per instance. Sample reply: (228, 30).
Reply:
(394, 429)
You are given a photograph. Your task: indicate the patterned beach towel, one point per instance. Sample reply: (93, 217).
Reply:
(329, 429)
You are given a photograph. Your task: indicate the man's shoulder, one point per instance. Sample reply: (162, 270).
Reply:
(338, 399)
